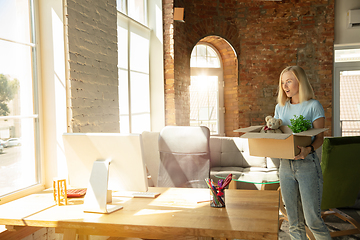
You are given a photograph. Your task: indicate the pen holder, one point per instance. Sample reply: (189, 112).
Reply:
(217, 199)
(60, 191)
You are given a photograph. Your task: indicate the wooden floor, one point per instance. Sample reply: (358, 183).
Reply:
(333, 224)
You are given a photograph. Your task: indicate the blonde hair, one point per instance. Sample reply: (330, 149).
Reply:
(306, 92)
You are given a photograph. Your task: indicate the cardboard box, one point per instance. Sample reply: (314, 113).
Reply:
(277, 145)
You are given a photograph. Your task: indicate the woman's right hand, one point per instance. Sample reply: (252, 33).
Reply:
(304, 151)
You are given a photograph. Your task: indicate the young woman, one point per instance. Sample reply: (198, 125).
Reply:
(301, 179)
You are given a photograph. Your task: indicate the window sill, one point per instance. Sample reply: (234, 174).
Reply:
(22, 193)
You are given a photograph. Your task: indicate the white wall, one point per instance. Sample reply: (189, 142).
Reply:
(157, 98)
(344, 35)
(53, 83)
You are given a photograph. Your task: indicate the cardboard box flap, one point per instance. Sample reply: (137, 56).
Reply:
(286, 129)
(254, 132)
(280, 136)
(249, 129)
(311, 132)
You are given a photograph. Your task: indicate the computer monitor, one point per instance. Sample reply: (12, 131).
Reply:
(127, 170)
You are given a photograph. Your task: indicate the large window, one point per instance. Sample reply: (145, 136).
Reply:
(135, 9)
(18, 98)
(133, 64)
(350, 102)
(206, 89)
(346, 91)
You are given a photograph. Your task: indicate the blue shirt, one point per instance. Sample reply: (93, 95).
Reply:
(311, 110)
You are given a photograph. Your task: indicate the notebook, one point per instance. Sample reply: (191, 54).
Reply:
(75, 193)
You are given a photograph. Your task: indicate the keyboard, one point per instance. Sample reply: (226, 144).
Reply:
(75, 193)
(145, 194)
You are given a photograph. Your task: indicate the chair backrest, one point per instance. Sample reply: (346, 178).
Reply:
(184, 156)
(150, 153)
(340, 165)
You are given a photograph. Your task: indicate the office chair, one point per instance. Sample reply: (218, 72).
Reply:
(184, 156)
(150, 153)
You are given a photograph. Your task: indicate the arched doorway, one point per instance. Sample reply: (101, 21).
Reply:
(206, 89)
(213, 87)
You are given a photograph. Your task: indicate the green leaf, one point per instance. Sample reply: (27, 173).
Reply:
(299, 124)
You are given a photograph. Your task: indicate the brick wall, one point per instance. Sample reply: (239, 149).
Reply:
(267, 36)
(92, 60)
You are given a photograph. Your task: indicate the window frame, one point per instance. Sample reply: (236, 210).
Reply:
(212, 48)
(36, 116)
(144, 31)
(126, 12)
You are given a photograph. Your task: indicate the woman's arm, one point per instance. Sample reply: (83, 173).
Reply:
(319, 139)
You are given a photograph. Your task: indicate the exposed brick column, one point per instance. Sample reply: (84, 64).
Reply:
(170, 114)
(93, 73)
(182, 76)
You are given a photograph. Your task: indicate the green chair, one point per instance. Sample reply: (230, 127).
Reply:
(340, 164)
(341, 171)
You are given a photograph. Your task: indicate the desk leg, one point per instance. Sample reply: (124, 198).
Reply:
(232, 185)
(69, 234)
(273, 186)
(83, 237)
(282, 209)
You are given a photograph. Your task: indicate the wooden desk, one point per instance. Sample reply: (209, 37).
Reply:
(175, 213)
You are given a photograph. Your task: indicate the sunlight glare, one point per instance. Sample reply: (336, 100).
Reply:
(154, 211)
(195, 198)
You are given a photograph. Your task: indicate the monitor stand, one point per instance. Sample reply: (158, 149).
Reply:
(96, 193)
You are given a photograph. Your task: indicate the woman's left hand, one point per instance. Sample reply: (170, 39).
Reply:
(304, 151)
(319, 139)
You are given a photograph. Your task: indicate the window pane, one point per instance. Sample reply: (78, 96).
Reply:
(14, 18)
(121, 6)
(122, 48)
(347, 55)
(137, 10)
(17, 156)
(124, 101)
(205, 57)
(140, 123)
(204, 102)
(201, 51)
(139, 93)
(212, 58)
(140, 102)
(124, 124)
(213, 62)
(139, 52)
(19, 83)
(210, 52)
(350, 103)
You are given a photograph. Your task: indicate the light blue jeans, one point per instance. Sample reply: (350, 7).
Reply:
(301, 185)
